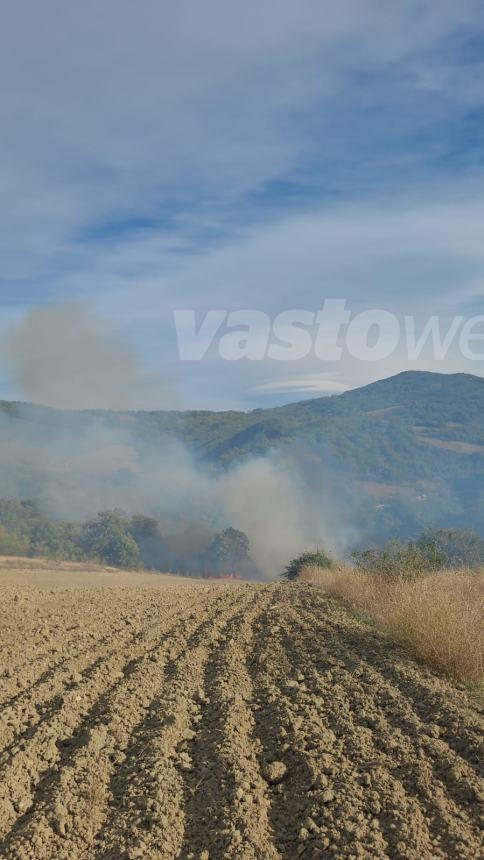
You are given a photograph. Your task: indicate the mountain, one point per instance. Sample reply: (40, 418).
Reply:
(411, 446)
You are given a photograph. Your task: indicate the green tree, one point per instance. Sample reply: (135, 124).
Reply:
(142, 527)
(107, 538)
(452, 547)
(229, 550)
(13, 543)
(146, 532)
(54, 539)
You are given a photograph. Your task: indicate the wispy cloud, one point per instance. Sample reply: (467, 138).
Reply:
(316, 383)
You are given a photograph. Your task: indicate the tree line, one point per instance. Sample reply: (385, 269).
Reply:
(115, 539)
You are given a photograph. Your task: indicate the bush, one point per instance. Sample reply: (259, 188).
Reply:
(395, 559)
(435, 549)
(316, 558)
(55, 540)
(452, 548)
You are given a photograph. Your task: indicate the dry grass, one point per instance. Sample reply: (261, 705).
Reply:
(17, 562)
(439, 617)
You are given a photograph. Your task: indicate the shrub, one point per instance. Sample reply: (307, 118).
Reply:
(316, 558)
(395, 559)
(435, 549)
(452, 547)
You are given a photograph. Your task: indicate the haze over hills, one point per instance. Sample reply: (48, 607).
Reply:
(401, 453)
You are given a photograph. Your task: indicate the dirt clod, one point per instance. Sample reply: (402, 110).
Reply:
(275, 772)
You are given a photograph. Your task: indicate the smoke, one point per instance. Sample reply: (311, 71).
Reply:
(271, 501)
(77, 464)
(65, 356)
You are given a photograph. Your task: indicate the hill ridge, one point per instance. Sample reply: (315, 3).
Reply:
(414, 443)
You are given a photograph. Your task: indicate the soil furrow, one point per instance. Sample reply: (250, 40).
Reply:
(461, 726)
(386, 748)
(383, 707)
(317, 776)
(224, 721)
(39, 756)
(25, 706)
(226, 802)
(43, 658)
(146, 816)
(401, 792)
(23, 720)
(70, 798)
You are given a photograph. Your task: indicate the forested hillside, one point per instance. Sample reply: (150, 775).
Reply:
(412, 446)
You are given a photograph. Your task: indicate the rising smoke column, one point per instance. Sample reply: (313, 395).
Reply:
(79, 464)
(67, 357)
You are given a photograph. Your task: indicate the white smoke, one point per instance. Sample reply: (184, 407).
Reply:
(77, 464)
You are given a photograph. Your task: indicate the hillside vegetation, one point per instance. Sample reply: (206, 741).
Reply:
(411, 447)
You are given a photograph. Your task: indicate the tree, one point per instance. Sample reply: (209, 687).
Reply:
(146, 532)
(55, 539)
(229, 550)
(13, 543)
(107, 538)
(142, 527)
(316, 558)
(452, 547)
(435, 549)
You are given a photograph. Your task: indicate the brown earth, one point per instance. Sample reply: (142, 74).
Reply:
(449, 445)
(147, 717)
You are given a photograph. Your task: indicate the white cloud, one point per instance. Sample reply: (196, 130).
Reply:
(418, 258)
(185, 114)
(126, 109)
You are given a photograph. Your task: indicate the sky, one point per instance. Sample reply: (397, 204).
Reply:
(262, 156)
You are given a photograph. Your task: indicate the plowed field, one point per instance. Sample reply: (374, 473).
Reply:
(159, 719)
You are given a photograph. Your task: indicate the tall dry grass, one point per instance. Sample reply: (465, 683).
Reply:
(438, 617)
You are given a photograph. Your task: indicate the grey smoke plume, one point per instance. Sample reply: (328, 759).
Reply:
(91, 463)
(268, 500)
(65, 356)
(77, 464)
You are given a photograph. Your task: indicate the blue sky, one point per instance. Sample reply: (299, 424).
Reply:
(262, 155)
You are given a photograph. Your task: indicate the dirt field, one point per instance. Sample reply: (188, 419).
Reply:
(148, 717)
